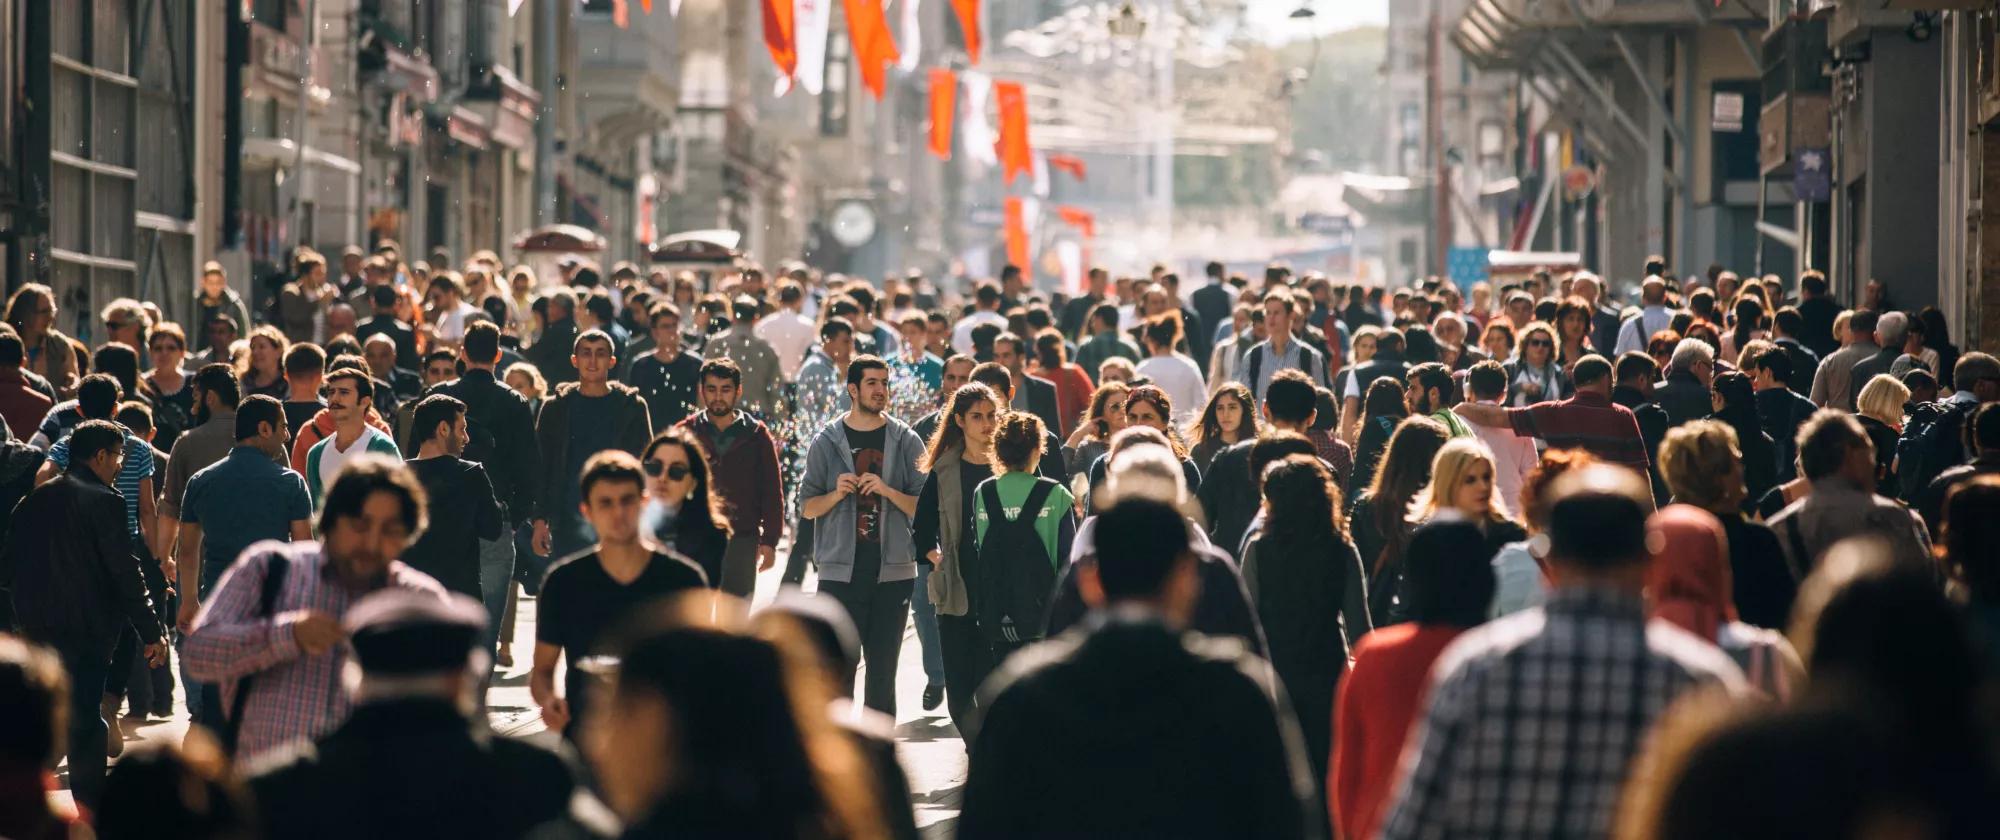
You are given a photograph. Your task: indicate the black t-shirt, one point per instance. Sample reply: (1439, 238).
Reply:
(868, 456)
(298, 414)
(580, 601)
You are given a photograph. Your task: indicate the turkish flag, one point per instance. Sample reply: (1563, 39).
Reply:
(1016, 157)
(968, 22)
(944, 105)
(1016, 229)
(1067, 163)
(874, 46)
(778, 36)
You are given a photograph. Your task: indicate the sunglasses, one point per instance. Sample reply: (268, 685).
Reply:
(1538, 342)
(674, 473)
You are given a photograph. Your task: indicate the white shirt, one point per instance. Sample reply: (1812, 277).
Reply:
(790, 334)
(961, 333)
(333, 456)
(1634, 333)
(451, 324)
(1513, 458)
(1178, 376)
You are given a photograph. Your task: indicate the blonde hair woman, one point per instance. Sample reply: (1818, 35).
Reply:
(1879, 407)
(1461, 488)
(1703, 467)
(1534, 375)
(265, 371)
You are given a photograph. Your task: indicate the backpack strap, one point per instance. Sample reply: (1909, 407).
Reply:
(1795, 536)
(275, 572)
(1256, 365)
(1037, 497)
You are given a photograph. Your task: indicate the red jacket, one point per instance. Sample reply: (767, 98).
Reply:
(22, 405)
(1380, 698)
(745, 475)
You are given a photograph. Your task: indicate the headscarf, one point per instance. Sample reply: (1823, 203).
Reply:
(1687, 576)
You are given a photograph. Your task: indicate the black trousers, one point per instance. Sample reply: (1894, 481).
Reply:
(88, 662)
(967, 661)
(880, 612)
(801, 553)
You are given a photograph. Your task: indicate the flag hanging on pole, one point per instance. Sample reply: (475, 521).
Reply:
(810, 19)
(912, 35)
(778, 38)
(1016, 157)
(977, 132)
(1016, 229)
(1083, 220)
(646, 5)
(968, 23)
(1067, 163)
(620, 14)
(874, 46)
(944, 105)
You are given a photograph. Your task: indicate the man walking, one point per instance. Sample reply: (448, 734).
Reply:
(583, 418)
(1588, 421)
(669, 379)
(500, 434)
(588, 593)
(1062, 726)
(1106, 341)
(551, 351)
(305, 374)
(302, 303)
(272, 636)
(860, 487)
(743, 468)
(1280, 349)
(77, 586)
(1780, 409)
(383, 321)
(348, 400)
(762, 382)
(1653, 317)
(1837, 457)
(788, 331)
(449, 549)
(1834, 385)
(1031, 394)
(1603, 673)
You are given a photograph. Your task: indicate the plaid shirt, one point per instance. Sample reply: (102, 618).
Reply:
(1587, 421)
(1534, 719)
(295, 697)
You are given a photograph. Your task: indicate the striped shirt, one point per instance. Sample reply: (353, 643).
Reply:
(1533, 719)
(295, 696)
(137, 468)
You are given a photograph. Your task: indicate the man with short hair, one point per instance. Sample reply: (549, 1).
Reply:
(449, 550)
(416, 720)
(1818, 310)
(383, 321)
(669, 379)
(285, 637)
(1431, 393)
(763, 383)
(1653, 317)
(1985, 434)
(589, 592)
(1684, 394)
(1280, 349)
(552, 349)
(1106, 341)
(1032, 394)
(1076, 313)
(578, 421)
(743, 471)
(1838, 459)
(1589, 420)
(1042, 759)
(952, 375)
(788, 330)
(1834, 385)
(1632, 387)
(348, 399)
(379, 351)
(1215, 299)
(22, 405)
(986, 310)
(1513, 456)
(500, 430)
(77, 586)
(217, 298)
(216, 394)
(915, 374)
(1787, 329)
(1891, 329)
(820, 393)
(302, 303)
(860, 486)
(1603, 674)
(305, 373)
(1780, 408)
(440, 367)
(1228, 493)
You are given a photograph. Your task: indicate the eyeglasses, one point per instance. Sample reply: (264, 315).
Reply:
(674, 473)
(1538, 342)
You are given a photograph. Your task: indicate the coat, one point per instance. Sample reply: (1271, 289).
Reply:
(550, 353)
(631, 425)
(71, 566)
(509, 418)
(412, 768)
(1066, 723)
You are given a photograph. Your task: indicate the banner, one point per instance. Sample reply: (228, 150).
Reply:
(912, 36)
(1016, 157)
(1067, 163)
(778, 38)
(1016, 229)
(944, 106)
(810, 19)
(968, 23)
(977, 130)
(874, 47)
(1083, 220)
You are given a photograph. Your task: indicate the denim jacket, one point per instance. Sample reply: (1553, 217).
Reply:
(833, 532)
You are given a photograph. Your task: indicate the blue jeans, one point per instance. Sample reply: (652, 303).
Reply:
(926, 620)
(496, 573)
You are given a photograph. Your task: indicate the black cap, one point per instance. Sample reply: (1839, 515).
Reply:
(405, 632)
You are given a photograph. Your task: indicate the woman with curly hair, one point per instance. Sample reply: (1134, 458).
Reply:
(1534, 375)
(1104, 417)
(1149, 406)
(1572, 331)
(265, 372)
(1231, 416)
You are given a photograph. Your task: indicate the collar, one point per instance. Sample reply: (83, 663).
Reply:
(1593, 599)
(1652, 308)
(1590, 398)
(1962, 396)
(82, 473)
(1835, 486)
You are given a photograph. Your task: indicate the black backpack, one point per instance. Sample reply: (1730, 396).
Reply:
(1016, 575)
(1256, 362)
(1932, 441)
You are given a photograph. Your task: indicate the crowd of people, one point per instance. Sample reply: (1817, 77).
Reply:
(1270, 557)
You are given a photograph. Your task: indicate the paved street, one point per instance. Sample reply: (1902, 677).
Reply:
(931, 751)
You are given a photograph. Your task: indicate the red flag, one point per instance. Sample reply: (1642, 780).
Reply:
(620, 14)
(944, 105)
(1016, 228)
(1067, 163)
(874, 46)
(1083, 220)
(646, 5)
(968, 22)
(778, 36)
(1016, 158)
